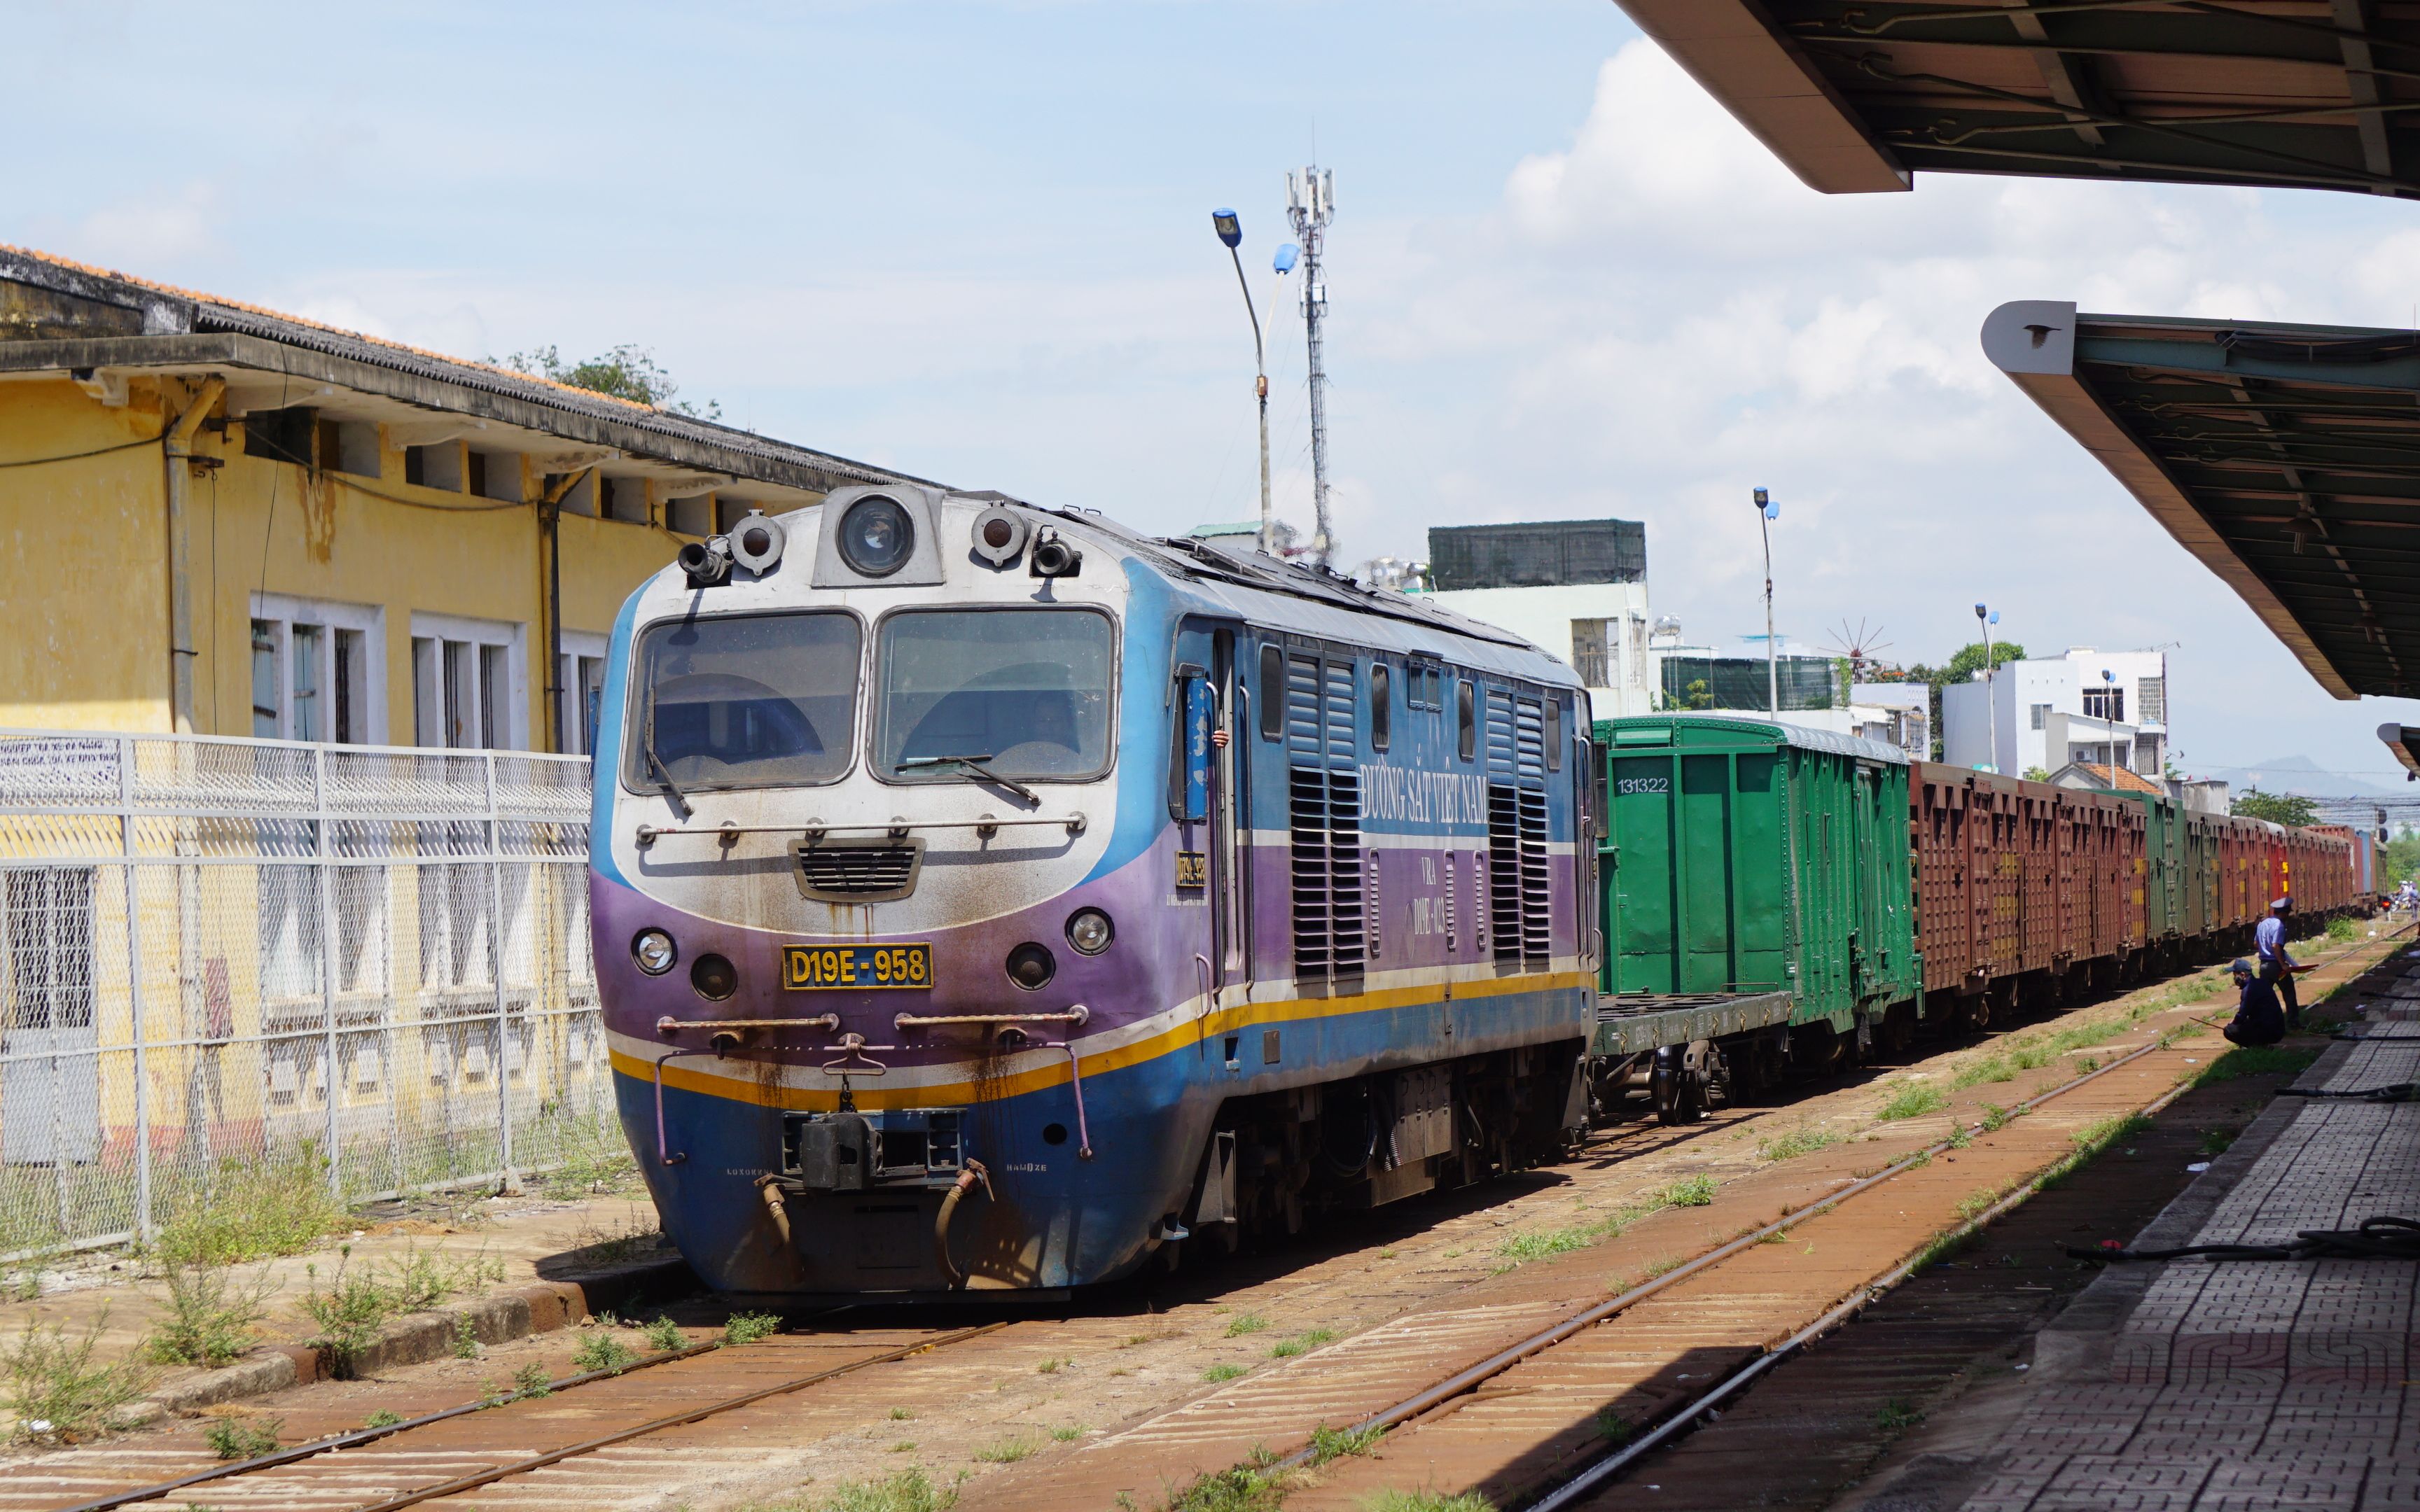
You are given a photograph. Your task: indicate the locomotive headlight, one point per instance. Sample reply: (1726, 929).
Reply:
(876, 536)
(1088, 931)
(714, 978)
(654, 951)
(1032, 967)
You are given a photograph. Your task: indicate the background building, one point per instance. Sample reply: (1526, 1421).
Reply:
(1576, 588)
(223, 521)
(2053, 711)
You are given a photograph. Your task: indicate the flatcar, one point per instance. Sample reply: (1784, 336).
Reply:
(987, 898)
(1764, 913)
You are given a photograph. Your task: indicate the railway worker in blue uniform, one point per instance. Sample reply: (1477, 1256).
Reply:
(2277, 968)
(2258, 1019)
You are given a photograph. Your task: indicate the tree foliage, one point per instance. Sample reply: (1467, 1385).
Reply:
(629, 371)
(2398, 859)
(2287, 809)
(1969, 660)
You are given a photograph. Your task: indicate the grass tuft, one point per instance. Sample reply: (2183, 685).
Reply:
(210, 1313)
(1799, 1141)
(1243, 1324)
(54, 1389)
(1695, 1192)
(663, 1333)
(910, 1490)
(747, 1328)
(2256, 1061)
(234, 1438)
(1217, 1373)
(1914, 1100)
(1393, 1501)
(603, 1351)
(1007, 1451)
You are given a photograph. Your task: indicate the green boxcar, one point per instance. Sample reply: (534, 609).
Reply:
(1741, 856)
(2165, 860)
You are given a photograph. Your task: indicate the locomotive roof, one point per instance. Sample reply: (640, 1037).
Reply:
(1779, 731)
(1219, 569)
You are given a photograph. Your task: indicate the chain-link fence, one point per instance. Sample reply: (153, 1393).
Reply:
(368, 965)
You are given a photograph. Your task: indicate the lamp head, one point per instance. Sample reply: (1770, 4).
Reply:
(1231, 229)
(1996, 617)
(1979, 612)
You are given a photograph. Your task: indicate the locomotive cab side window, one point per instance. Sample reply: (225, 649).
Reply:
(745, 701)
(1273, 691)
(1466, 715)
(1552, 715)
(1382, 722)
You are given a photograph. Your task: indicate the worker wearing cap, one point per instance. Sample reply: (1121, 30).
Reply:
(2258, 1019)
(2277, 968)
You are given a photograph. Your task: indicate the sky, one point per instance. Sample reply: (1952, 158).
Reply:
(971, 241)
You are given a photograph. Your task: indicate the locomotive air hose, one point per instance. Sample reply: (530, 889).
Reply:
(972, 1173)
(776, 1207)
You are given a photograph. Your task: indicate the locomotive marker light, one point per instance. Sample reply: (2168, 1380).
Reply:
(714, 978)
(999, 536)
(654, 951)
(1032, 967)
(755, 543)
(876, 537)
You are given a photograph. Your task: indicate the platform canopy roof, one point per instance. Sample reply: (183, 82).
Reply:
(2403, 743)
(1856, 96)
(2287, 457)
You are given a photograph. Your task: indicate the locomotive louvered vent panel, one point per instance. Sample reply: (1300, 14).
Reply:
(1503, 830)
(1323, 793)
(845, 872)
(1537, 908)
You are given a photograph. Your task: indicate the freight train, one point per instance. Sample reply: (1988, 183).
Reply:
(989, 899)
(1764, 910)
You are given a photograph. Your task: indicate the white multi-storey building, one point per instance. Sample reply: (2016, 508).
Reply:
(2103, 706)
(1576, 588)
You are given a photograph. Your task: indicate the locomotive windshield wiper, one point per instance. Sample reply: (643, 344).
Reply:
(656, 763)
(975, 765)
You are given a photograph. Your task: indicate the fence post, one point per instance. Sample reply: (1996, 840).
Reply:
(507, 1180)
(332, 1079)
(127, 847)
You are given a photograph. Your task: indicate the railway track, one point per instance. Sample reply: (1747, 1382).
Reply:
(757, 1411)
(1555, 1388)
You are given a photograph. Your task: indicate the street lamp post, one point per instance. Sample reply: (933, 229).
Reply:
(1767, 512)
(2109, 718)
(1984, 620)
(1231, 231)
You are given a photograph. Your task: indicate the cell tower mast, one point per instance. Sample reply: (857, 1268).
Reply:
(1310, 202)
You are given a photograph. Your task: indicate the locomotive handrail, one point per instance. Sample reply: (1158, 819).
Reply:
(815, 829)
(668, 1023)
(1076, 1014)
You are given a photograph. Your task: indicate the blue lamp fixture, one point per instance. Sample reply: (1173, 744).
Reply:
(1231, 229)
(1287, 256)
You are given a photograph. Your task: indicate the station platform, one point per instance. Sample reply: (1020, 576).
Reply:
(2193, 1386)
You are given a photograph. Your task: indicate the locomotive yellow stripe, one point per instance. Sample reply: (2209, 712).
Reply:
(871, 1093)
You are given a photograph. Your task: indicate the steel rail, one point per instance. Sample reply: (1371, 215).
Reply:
(1686, 1419)
(538, 1462)
(1496, 1364)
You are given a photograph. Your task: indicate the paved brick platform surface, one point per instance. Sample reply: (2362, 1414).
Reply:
(2195, 1387)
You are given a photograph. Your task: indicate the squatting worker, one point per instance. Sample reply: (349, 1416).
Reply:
(2277, 968)
(2258, 1019)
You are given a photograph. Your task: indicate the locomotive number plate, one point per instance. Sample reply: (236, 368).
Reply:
(805, 967)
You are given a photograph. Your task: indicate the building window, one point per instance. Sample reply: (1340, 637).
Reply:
(729, 511)
(434, 467)
(581, 498)
(466, 681)
(496, 475)
(50, 918)
(2154, 698)
(2041, 715)
(626, 500)
(581, 679)
(349, 446)
(1589, 652)
(693, 515)
(2106, 703)
(317, 670)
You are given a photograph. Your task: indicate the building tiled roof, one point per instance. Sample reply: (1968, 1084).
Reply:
(168, 311)
(2118, 777)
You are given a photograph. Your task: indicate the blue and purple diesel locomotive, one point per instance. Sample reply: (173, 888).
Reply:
(988, 897)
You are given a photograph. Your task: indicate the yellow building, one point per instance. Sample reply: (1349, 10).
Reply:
(223, 521)
(253, 955)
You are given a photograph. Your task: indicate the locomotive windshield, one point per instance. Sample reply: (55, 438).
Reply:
(745, 701)
(1021, 692)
